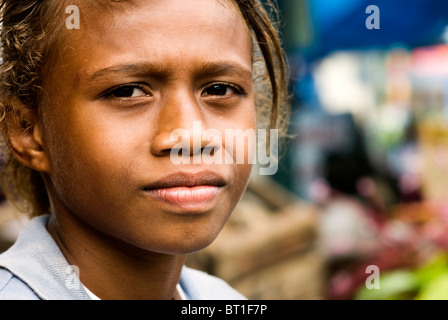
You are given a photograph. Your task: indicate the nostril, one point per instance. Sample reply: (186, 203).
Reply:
(209, 150)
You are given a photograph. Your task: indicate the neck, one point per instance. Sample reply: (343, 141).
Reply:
(113, 269)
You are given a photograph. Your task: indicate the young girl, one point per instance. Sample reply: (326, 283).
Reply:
(90, 94)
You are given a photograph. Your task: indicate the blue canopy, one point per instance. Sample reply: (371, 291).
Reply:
(329, 25)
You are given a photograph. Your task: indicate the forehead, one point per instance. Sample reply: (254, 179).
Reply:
(114, 13)
(158, 28)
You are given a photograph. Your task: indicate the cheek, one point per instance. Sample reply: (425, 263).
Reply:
(83, 155)
(239, 139)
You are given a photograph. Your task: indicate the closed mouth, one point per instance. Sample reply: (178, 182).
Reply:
(188, 192)
(205, 178)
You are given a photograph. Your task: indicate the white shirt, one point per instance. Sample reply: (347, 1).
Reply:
(178, 288)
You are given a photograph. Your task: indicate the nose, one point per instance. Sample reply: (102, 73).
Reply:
(180, 125)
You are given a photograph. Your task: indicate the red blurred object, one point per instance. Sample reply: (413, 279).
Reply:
(412, 234)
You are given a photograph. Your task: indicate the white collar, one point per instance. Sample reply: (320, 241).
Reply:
(95, 297)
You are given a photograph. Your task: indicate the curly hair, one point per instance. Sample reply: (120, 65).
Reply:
(30, 39)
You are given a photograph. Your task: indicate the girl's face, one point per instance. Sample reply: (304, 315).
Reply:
(123, 82)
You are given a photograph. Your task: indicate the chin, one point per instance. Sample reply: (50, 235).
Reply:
(186, 245)
(191, 246)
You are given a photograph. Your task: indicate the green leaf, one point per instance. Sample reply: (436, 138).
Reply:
(436, 289)
(394, 285)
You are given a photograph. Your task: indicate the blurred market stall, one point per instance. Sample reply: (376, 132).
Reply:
(370, 84)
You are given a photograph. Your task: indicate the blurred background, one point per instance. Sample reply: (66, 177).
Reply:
(357, 209)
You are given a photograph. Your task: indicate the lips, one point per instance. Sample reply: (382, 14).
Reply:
(187, 191)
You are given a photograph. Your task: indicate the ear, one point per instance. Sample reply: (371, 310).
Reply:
(25, 137)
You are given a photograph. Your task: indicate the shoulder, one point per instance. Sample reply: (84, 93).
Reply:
(35, 268)
(12, 288)
(199, 285)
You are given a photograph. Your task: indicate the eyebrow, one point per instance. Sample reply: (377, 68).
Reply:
(163, 71)
(140, 69)
(223, 68)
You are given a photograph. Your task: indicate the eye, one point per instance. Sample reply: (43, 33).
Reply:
(222, 89)
(128, 91)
